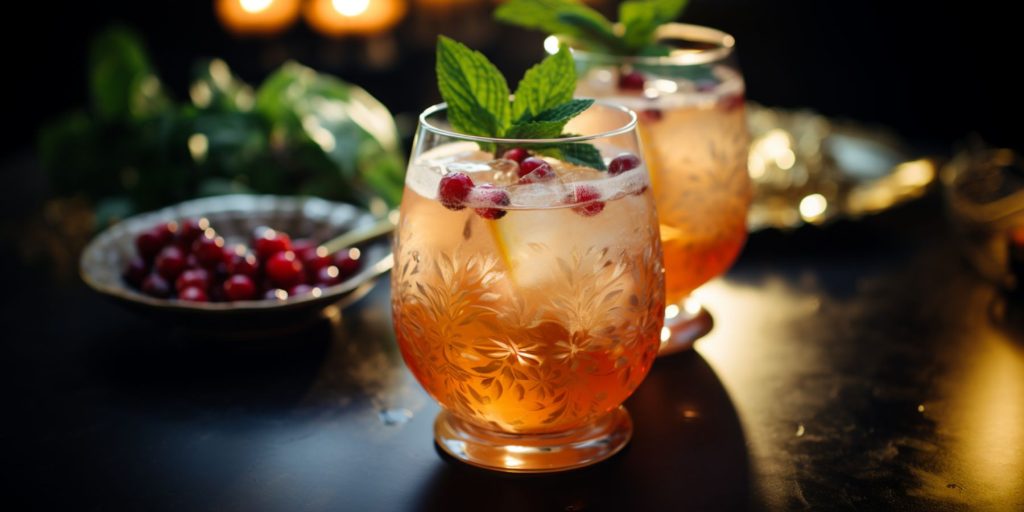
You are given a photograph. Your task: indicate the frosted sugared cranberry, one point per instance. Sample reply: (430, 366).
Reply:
(268, 242)
(135, 271)
(189, 230)
(589, 195)
(170, 262)
(148, 243)
(239, 287)
(488, 194)
(244, 263)
(517, 155)
(632, 81)
(301, 289)
(209, 250)
(328, 276)
(622, 163)
(454, 189)
(156, 286)
(348, 262)
(192, 278)
(284, 269)
(193, 294)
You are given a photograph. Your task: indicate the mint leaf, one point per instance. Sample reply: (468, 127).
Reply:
(640, 20)
(668, 10)
(545, 85)
(575, 153)
(589, 29)
(563, 17)
(476, 92)
(549, 123)
(565, 111)
(536, 130)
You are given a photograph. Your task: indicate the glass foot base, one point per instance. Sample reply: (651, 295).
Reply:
(683, 326)
(523, 453)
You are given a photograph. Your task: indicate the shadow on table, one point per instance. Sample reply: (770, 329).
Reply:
(688, 453)
(331, 362)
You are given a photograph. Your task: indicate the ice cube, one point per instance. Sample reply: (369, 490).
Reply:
(505, 172)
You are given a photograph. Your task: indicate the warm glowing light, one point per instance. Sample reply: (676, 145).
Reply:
(512, 461)
(198, 145)
(255, 6)
(692, 304)
(354, 253)
(316, 292)
(332, 271)
(256, 17)
(551, 44)
(666, 333)
(671, 311)
(351, 7)
(348, 17)
(813, 206)
(280, 294)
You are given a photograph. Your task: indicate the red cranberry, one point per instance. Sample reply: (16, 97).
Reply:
(190, 230)
(533, 163)
(650, 115)
(622, 163)
(587, 194)
(517, 155)
(209, 250)
(732, 102)
(136, 271)
(633, 81)
(193, 278)
(148, 243)
(284, 269)
(239, 287)
(193, 294)
(303, 247)
(490, 195)
(268, 242)
(318, 260)
(301, 289)
(328, 276)
(245, 263)
(156, 286)
(170, 262)
(454, 189)
(166, 231)
(347, 261)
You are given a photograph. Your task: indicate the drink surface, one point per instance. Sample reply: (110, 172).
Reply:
(695, 143)
(536, 322)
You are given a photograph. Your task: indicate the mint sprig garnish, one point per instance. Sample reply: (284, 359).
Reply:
(479, 101)
(588, 29)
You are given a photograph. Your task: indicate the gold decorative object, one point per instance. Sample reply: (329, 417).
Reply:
(809, 169)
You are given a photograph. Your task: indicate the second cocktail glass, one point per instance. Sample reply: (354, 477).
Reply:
(693, 128)
(531, 308)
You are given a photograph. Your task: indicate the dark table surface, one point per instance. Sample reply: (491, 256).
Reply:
(861, 366)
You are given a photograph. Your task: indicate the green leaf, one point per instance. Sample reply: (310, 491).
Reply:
(476, 92)
(536, 130)
(669, 10)
(640, 19)
(565, 111)
(562, 17)
(121, 82)
(578, 153)
(547, 84)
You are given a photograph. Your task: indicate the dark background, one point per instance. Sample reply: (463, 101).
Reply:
(933, 72)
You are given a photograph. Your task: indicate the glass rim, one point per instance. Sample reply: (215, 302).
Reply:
(724, 45)
(439, 107)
